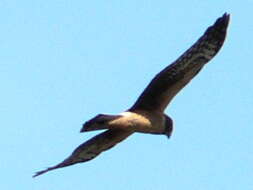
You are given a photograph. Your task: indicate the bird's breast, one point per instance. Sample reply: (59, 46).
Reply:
(141, 121)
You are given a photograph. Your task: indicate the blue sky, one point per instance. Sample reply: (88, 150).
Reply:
(63, 62)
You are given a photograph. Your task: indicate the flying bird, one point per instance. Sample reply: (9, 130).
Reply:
(147, 114)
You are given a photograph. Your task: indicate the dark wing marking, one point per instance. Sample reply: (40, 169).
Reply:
(91, 148)
(173, 78)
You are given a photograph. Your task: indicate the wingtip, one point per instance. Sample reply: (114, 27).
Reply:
(218, 30)
(40, 173)
(223, 20)
(225, 15)
(48, 169)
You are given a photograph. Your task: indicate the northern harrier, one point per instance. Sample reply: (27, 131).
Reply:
(147, 114)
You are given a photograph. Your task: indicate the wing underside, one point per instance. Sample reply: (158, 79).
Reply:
(91, 148)
(173, 78)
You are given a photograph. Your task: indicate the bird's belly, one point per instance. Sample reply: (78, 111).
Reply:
(154, 127)
(150, 129)
(144, 122)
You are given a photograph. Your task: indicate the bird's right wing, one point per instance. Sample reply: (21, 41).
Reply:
(92, 148)
(174, 77)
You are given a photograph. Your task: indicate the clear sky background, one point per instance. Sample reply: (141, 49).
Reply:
(62, 62)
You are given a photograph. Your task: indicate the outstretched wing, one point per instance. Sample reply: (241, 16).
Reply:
(173, 78)
(92, 148)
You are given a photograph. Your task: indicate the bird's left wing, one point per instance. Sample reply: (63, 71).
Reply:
(91, 148)
(173, 78)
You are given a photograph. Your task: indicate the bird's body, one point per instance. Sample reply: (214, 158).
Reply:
(142, 121)
(147, 114)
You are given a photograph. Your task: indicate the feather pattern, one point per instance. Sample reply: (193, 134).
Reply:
(173, 78)
(147, 114)
(91, 148)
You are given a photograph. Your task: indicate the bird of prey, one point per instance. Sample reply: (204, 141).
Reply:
(147, 114)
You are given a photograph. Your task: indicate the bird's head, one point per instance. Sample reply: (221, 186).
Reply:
(168, 126)
(98, 122)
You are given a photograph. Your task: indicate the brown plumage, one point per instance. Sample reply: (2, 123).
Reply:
(173, 78)
(147, 114)
(92, 148)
